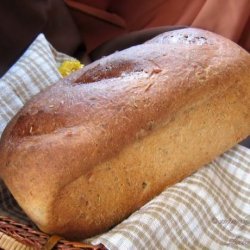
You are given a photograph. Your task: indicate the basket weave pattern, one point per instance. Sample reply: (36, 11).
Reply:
(14, 235)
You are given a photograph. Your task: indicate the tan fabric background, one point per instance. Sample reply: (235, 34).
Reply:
(102, 20)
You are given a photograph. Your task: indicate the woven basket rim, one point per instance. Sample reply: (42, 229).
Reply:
(39, 240)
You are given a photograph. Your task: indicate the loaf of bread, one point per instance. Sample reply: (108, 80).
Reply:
(94, 147)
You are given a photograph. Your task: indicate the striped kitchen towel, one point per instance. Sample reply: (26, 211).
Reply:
(208, 210)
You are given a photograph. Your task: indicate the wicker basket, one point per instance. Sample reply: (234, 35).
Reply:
(16, 236)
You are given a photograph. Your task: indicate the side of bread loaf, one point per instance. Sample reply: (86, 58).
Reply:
(94, 147)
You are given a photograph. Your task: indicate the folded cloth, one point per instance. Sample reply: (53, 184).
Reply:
(208, 210)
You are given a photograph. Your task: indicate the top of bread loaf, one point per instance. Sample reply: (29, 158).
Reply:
(125, 94)
(100, 109)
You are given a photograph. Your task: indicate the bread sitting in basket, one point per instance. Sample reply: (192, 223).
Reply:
(94, 147)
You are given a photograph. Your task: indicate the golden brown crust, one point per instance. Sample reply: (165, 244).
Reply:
(108, 125)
